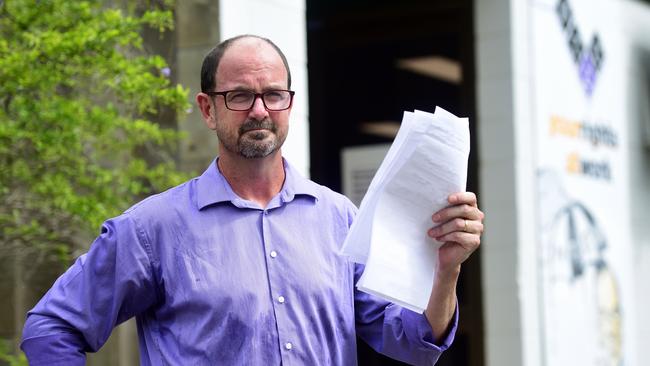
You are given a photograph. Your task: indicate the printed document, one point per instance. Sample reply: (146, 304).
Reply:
(425, 164)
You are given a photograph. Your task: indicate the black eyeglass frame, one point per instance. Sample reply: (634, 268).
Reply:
(255, 96)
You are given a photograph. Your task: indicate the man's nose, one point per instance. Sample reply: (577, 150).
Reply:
(258, 111)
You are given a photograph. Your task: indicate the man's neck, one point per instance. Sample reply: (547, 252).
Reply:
(257, 180)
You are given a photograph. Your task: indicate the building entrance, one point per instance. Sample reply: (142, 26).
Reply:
(368, 61)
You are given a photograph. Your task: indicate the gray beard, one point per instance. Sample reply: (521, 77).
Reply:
(253, 145)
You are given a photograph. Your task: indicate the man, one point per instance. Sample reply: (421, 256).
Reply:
(240, 266)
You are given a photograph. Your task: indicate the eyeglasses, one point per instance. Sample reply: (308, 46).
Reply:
(243, 100)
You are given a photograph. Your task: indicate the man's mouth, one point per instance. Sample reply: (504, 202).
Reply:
(256, 129)
(252, 125)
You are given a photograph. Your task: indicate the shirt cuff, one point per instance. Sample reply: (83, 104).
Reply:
(59, 349)
(418, 328)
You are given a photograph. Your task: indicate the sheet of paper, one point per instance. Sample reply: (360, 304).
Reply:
(427, 162)
(357, 243)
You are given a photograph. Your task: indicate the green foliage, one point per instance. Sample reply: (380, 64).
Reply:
(7, 357)
(78, 94)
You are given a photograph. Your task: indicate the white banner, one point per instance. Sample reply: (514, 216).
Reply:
(584, 247)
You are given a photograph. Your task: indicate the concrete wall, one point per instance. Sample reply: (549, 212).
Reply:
(637, 33)
(507, 176)
(197, 29)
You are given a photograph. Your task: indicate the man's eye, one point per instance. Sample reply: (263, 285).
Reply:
(273, 96)
(237, 97)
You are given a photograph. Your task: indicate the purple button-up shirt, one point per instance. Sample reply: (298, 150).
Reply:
(214, 279)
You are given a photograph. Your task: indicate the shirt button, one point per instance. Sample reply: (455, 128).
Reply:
(273, 254)
(288, 346)
(281, 299)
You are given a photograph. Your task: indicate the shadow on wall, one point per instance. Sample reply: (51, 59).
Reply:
(643, 94)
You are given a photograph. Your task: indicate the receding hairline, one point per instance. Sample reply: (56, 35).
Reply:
(212, 60)
(247, 49)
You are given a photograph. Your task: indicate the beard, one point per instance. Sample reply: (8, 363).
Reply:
(254, 139)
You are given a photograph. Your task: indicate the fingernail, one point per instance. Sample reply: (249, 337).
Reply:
(436, 218)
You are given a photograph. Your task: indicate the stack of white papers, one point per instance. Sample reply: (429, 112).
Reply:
(425, 164)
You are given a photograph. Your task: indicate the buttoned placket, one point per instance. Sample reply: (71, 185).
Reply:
(279, 298)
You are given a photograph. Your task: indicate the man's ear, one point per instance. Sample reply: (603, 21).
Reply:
(207, 110)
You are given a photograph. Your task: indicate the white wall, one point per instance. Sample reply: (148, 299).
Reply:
(283, 22)
(636, 31)
(506, 176)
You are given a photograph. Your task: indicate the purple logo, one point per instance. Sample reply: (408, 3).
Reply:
(588, 59)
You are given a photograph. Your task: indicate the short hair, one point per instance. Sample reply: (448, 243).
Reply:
(212, 59)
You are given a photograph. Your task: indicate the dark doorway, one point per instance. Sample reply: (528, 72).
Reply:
(368, 62)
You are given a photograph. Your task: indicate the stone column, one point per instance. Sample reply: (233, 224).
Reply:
(197, 32)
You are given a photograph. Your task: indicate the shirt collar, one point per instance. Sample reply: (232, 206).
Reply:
(213, 188)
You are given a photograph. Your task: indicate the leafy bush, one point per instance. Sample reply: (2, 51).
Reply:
(78, 96)
(8, 358)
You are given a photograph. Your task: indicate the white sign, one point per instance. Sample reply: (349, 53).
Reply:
(584, 243)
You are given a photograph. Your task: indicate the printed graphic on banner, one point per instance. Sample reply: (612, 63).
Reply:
(597, 135)
(579, 290)
(583, 246)
(589, 60)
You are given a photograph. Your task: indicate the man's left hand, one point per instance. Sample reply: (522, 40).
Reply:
(459, 228)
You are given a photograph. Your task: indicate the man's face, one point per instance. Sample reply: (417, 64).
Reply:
(253, 65)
